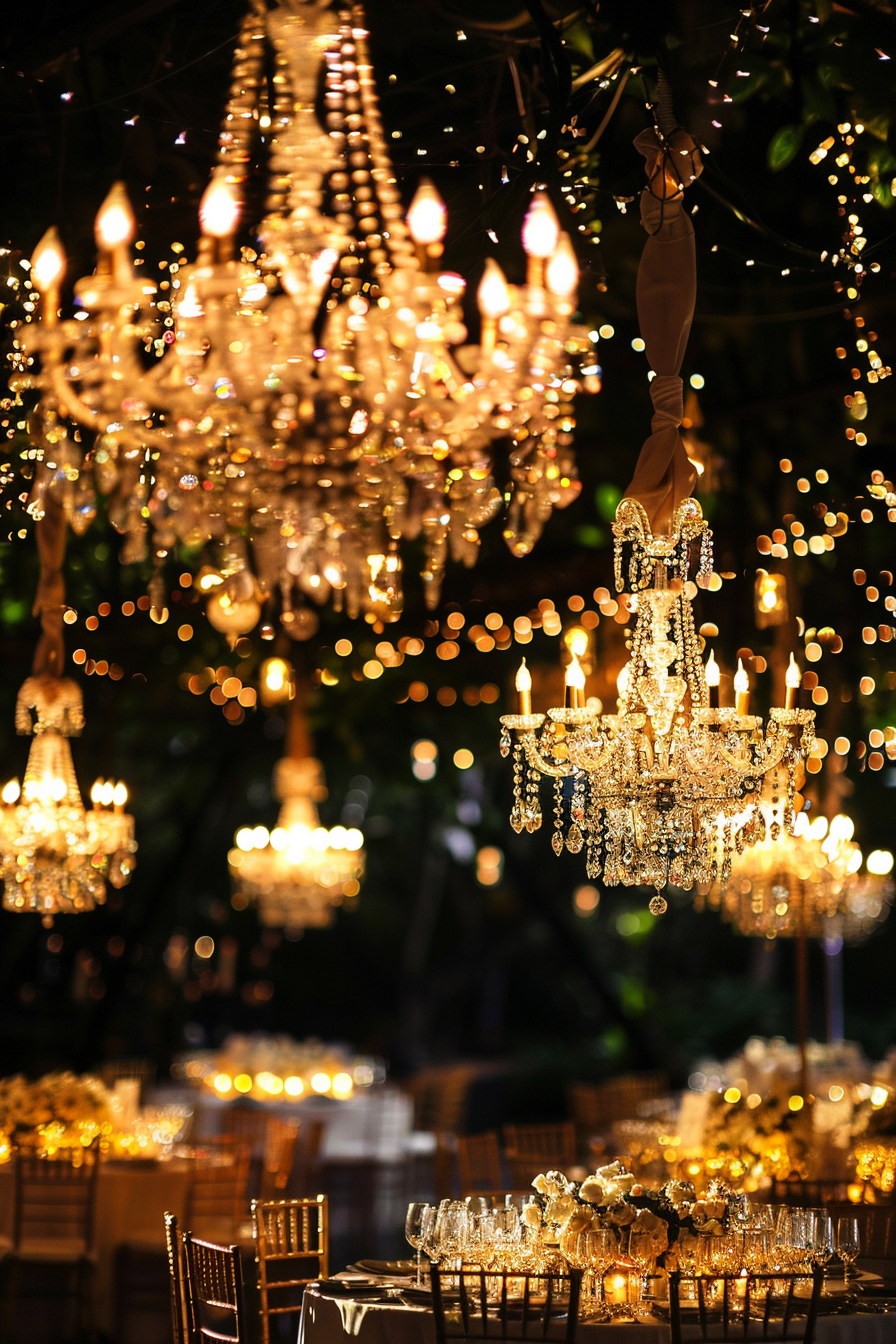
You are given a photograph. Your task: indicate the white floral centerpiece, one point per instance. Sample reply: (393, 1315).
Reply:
(59, 1110)
(613, 1198)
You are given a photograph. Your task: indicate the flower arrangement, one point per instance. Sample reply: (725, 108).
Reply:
(613, 1198)
(59, 1110)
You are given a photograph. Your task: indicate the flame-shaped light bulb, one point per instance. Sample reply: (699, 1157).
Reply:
(219, 209)
(427, 217)
(115, 221)
(523, 685)
(48, 262)
(562, 271)
(541, 228)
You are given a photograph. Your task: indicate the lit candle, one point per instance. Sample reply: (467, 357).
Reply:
(493, 297)
(114, 231)
(11, 792)
(792, 679)
(47, 270)
(541, 234)
(524, 687)
(575, 685)
(742, 688)
(712, 680)
(219, 211)
(562, 271)
(120, 797)
(427, 219)
(96, 793)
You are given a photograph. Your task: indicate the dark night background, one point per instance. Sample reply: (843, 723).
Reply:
(432, 965)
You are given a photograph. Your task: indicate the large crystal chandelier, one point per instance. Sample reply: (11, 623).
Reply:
(318, 395)
(300, 872)
(55, 855)
(809, 884)
(664, 790)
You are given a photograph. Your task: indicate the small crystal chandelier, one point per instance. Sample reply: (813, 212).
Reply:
(809, 883)
(300, 872)
(54, 854)
(317, 396)
(664, 790)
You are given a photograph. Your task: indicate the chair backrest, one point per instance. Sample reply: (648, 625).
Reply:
(214, 1279)
(807, 1194)
(724, 1306)
(291, 1250)
(217, 1194)
(277, 1160)
(594, 1106)
(505, 1304)
(877, 1227)
(55, 1199)
(479, 1163)
(531, 1149)
(180, 1326)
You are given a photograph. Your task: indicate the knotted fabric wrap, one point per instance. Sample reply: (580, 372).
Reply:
(666, 293)
(49, 602)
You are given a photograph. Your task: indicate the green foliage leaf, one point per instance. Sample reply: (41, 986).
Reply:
(784, 146)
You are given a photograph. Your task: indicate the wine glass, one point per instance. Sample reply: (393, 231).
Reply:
(414, 1230)
(848, 1242)
(595, 1251)
(822, 1240)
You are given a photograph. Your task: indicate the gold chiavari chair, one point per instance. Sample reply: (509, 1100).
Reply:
(280, 1139)
(807, 1194)
(52, 1257)
(506, 1304)
(772, 1307)
(214, 1279)
(180, 1321)
(479, 1163)
(291, 1241)
(217, 1194)
(530, 1149)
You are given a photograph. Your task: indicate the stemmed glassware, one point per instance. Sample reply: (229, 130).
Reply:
(417, 1224)
(848, 1242)
(822, 1239)
(594, 1251)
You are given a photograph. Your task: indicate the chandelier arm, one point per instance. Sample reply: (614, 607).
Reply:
(543, 766)
(100, 421)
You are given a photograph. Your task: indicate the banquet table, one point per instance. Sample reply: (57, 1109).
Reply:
(329, 1320)
(131, 1201)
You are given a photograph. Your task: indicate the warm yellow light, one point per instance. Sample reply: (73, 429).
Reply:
(427, 217)
(115, 223)
(741, 680)
(242, 1082)
(523, 680)
(493, 294)
(835, 1093)
(219, 208)
(342, 1084)
(796, 1103)
(321, 1082)
(107, 793)
(276, 673)
(120, 794)
(293, 1086)
(818, 829)
(541, 228)
(879, 1096)
(732, 1095)
(48, 261)
(562, 271)
(792, 676)
(58, 789)
(574, 675)
(880, 861)
(222, 1082)
(577, 641)
(712, 670)
(623, 680)
(11, 793)
(463, 758)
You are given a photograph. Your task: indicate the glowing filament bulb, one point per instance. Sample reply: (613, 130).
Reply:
(115, 223)
(741, 680)
(575, 676)
(541, 228)
(96, 793)
(792, 676)
(712, 671)
(48, 261)
(427, 217)
(523, 679)
(11, 792)
(493, 294)
(219, 208)
(120, 794)
(562, 271)
(879, 862)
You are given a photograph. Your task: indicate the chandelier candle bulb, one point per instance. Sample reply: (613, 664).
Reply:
(47, 270)
(524, 689)
(575, 685)
(792, 678)
(562, 271)
(742, 691)
(427, 218)
(493, 297)
(114, 231)
(541, 234)
(219, 212)
(713, 676)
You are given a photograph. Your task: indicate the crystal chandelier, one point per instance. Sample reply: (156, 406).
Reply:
(300, 872)
(809, 883)
(664, 790)
(55, 855)
(318, 395)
